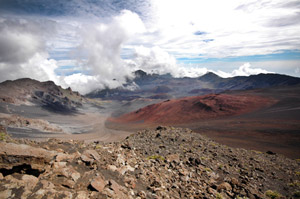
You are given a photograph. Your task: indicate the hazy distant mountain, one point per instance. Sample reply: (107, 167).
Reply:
(150, 85)
(46, 94)
(249, 82)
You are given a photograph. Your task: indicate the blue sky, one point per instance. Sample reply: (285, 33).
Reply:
(280, 56)
(86, 44)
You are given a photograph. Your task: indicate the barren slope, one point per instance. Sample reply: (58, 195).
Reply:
(46, 94)
(193, 109)
(163, 163)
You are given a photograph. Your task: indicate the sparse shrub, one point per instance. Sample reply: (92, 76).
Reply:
(219, 196)
(272, 194)
(294, 184)
(297, 173)
(155, 157)
(3, 136)
(239, 197)
(258, 152)
(207, 169)
(98, 146)
(213, 144)
(203, 158)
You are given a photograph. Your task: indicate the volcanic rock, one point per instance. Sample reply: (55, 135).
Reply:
(98, 183)
(176, 164)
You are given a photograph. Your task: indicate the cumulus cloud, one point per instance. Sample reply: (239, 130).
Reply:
(243, 70)
(246, 70)
(20, 39)
(87, 48)
(156, 60)
(100, 52)
(153, 60)
(23, 49)
(37, 67)
(80, 82)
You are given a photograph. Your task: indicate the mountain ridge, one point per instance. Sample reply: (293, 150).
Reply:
(46, 94)
(181, 87)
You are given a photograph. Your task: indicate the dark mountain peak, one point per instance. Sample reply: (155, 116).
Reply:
(49, 83)
(209, 76)
(140, 74)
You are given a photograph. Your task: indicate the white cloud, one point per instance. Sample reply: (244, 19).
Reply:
(228, 29)
(99, 53)
(246, 70)
(243, 70)
(153, 60)
(238, 28)
(156, 60)
(101, 47)
(82, 83)
(20, 39)
(37, 67)
(23, 50)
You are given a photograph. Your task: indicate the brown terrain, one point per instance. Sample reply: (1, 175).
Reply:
(71, 153)
(261, 119)
(41, 110)
(163, 163)
(192, 109)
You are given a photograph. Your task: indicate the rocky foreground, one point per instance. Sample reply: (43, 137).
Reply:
(163, 163)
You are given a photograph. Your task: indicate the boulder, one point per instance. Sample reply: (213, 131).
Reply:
(82, 195)
(224, 186)
(17, 154)
(89, 156)
(98, 183)
(29, 181)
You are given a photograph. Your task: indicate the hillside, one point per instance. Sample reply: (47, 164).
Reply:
(46, 94)
(260, 119)
(163, 163)
(193, 109)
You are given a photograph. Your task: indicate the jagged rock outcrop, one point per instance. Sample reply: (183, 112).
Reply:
(163, 163)
(46, 94)
(13, 120)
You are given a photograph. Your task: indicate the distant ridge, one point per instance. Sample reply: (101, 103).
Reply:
(250, 82)
(149, 85)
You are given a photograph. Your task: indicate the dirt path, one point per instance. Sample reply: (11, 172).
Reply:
(97, 131)
(88, 124)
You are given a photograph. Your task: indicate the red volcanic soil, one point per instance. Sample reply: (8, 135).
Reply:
(193, 109)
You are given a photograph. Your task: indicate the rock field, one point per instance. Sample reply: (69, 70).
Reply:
(163, 163)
